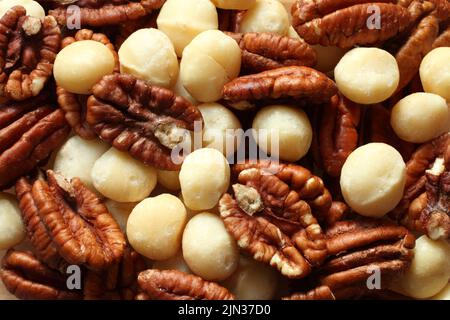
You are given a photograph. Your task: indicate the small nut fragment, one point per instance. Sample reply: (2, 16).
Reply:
(12, 229)
(434, 72)
(266, 16)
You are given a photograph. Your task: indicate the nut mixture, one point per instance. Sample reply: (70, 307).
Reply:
(122, 128)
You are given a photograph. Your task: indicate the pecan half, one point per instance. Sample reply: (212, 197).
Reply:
(66, 222)
(29, 133)
(74, 105)
(28, 278)
(177, 285)
(144, 120)
(28, 48)
(346, 23)
(302, 83)
(266, 51)
(97, 13)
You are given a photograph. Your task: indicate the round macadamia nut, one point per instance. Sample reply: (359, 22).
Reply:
(373, 179)
(328, 57)
(80, 65)
(122, 178)
(181, 91)
(435, 72)
(444, 294)
(210, 61)
(183, 20)
(222, 129)
(234, 4)
(77, 157)
(120, 211)
(208, 249)
(33, 8)
(429, 272)
(252, 280)
(148, 54)
(175, 263)
(266, 16)
(204, 177)
(285, 128)
(367, 75)
(12, 229)
(420, 117)
(155, 226)
(169, 179)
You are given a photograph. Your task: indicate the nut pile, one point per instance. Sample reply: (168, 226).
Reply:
(224, 149)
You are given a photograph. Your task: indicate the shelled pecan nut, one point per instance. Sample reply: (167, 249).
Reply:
(105, 13)
(28, 48)
(346, 23)
(66, 222)
(28, 278)
(300, 83)
(74, 105)
(177, 285)
(144, 120)
(29, 133)
(266, 51)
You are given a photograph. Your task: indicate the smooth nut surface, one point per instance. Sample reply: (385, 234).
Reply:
(444, 294)
(208, 249)
(169, 179)
(33, 8)
(149, 55)
(266, 16)
(287, 125)
(372, 179)
(80, 65)
(367, 75)
(12, 229)
(155, 226)
(122, 178)
(435, 72)
(420, 117)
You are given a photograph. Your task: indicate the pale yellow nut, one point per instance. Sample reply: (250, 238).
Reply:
(80, 65)
(33, 8)
(234, 4)
(204, 178)
(328, 57)
(266, 16)
(181, 91)
(288, 6)
(77, 157)
(373, 179)
(252, 280)
(283, 131)
(435, 72)
(155, 227)
(222, 129)
(444, 294)
(174, 263)
(429, 272)
(208, 249)
(120, 211)
(367, 75)
(148, 54)
(183, 20)
(12, 229)
(420, 117)
(169, 179)
(210, 61)
(122, 178)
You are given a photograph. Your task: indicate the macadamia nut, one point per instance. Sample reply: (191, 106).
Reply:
(122, 178)
(435, 72)
(169, 179)
(222, 130)
(252, 280)
(12, 229)
(266, 16)
(148, 54)
(77, 157)
(183, 20)
(120, 211)
(210, 61)
(373, 179)
(33, 8)
(181, 91)
(234, 4)
(208, 249)
(80, 65)
(285, 128)
(175, 263)
(420, 117)
(204, 177)
(367, 75)
(429, 272)
(155, 226)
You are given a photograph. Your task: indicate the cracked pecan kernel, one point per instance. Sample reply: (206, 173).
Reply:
(177, 285)
(65, 220)
(28, 278)
(144, 120)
